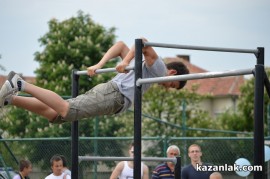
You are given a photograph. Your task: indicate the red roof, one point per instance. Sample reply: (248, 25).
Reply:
(223, 86)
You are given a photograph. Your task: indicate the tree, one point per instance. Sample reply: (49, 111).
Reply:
(168, 113)
(243, 120)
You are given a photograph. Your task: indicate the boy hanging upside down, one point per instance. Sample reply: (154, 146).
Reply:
(115, 96)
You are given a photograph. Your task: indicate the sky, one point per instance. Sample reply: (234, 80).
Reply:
(240, 24)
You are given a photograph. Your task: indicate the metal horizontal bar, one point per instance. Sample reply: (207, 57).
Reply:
(194, 76)
(189, 47)
(94, 158)
(105, 70)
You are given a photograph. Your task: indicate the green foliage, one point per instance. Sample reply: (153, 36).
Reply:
(167, 113)
(178, 107)
(243, 120)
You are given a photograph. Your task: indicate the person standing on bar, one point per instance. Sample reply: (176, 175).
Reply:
(124, 169)
(166, 170)
(109, 98)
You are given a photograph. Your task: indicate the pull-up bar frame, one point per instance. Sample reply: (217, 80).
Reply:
(190, 47)
(260, 78)
(258, 102)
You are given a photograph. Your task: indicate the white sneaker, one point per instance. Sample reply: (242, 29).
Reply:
(6, 93)
(15, 80)
(9, 88)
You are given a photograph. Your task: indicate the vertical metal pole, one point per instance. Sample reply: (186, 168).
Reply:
(137, 110)
(177, 168)
(266, 84)
(184, 123)
(96, 146)
(74, 131)
(258, 115)
(268, 120)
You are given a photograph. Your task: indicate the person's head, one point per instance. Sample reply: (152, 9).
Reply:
(195, 153)
(215, 175)
(64, 160)
(173, 151)
(25, 167)
(56, 165)
(131, 149)
(175, 68)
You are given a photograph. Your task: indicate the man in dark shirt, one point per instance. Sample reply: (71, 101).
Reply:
(166, 170)
(189, 171)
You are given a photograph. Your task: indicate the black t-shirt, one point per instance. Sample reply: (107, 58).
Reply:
(189, 172)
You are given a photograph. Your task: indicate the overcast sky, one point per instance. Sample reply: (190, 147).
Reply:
(214, 23)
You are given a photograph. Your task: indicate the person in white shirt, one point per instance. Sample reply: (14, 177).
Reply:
(65, 167)
(124, 169)
(57, 168)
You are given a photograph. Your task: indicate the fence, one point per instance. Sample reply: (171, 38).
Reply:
(216, 150)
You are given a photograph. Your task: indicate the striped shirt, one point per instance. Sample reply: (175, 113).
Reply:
(162, 171)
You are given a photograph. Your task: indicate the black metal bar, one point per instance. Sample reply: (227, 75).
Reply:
(260, 60)
(177, 168)
(137, 110)
(75, 131)
(190, 47)
(259, 121)
(260, 56)
(266, 83)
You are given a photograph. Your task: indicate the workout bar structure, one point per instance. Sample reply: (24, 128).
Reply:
(105, 70)
(155, 159)
(189, 47)
(194, 76)
(258, 100)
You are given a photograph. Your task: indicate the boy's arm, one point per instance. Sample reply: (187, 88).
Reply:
(149, 53)
(145, 172)
(117, 171)
(125, 62)
(118, 49)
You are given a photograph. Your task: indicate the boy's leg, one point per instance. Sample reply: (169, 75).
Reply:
(34, 105)
(53, 101)
(49, 98)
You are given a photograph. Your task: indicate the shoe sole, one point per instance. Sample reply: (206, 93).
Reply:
(5, 92)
